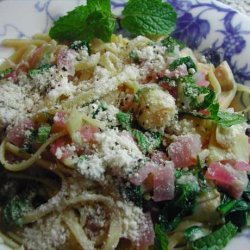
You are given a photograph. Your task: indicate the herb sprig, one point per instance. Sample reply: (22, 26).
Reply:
(95, 20)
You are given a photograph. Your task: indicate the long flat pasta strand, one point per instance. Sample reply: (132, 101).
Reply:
(26, 163)
(76, 229)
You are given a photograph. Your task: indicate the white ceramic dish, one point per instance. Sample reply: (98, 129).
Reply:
(205, 25)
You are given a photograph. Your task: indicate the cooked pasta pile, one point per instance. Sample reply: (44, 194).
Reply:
(109, 145)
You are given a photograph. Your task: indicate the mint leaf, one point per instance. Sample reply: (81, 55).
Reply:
(100, 5)
(4, 73)
(148, 17)
(71, 26)
(43, 133)
(147, 141)
(182, 60)
(14, 211)
(169, 43)
(85, 23)
(226, 119)
(195, 97)
(193, 233)
(34, 72)
(216, 240)
(161, 241)
(125, 119)
(99, 25)
(79, 45)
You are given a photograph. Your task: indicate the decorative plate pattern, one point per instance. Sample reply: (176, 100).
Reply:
(207, 26)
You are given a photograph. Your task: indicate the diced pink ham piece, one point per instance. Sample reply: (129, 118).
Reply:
(163, 180)
(87, 133)
(59, 122)
(58, 148)
(66, 60)
(228, 177)
(16, 135)
(60, 118)
(200, 79)
(159, 157)
(183, 152)
(242, 166)
(147, 234)
(203, 83)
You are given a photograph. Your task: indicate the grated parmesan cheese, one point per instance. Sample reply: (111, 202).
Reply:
(115, 150)
(45, 234)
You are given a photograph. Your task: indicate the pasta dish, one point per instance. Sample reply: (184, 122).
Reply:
(131, 143)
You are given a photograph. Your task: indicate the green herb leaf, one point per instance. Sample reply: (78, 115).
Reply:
(183, 60)
(193, 233)
(71, 26)
(216, 240)
(134, 56)
(4, 73)
(235, 211)
(85, 23)
(148, 17)
(43, 133)
(232, 206)
(147, 141)
(14, 210)
(170, 44)
(125, 120)
(134, 194)
(226, 119)
(29, 139)
(99, 25)
(100, 5)
(34, 72)
(161, 241)
(193, 96)
(101, 107)
(172, 212)
(79, 45)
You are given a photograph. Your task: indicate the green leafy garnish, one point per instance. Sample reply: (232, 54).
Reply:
(101, 107)
(185, 200)
(148, 17)
(226, 119)
(29, 139)
(94, 20)
(146, 141)
(169, 43)
(100, 5)
(14, 210)
(34, 72)
(125, 120)
(4, 73)
(134, 56)
(43, 133)
(235, 211)
(134, 194)
(198, 98)
(79, 45)
(216, 240)
(161, 241)
(183, 60)
(193, 233)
